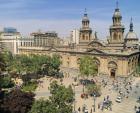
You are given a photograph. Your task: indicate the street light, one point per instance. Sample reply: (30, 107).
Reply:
(94, 98)
(74, 98)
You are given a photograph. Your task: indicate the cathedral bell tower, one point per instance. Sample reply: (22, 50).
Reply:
(117, 29)
(85, 31)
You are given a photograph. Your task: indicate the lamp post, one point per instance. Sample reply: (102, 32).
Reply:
(74, 98)
(94, 98)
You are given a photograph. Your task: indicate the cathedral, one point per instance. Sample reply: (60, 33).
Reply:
(117, 57)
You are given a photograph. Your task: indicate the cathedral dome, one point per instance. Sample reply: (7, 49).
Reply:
(131, 35)
(85, 18)
(117, 13)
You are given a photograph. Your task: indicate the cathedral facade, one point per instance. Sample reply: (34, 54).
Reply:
(116, 57)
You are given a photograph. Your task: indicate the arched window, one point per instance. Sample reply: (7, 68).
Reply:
(83, 37)
(115, 36)
(119, 37)
(97, 61)
(112, 65)
(86, 37)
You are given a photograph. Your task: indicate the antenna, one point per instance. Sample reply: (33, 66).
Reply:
(85, 10)
(131, 20)
(131, 25)
(117, 4)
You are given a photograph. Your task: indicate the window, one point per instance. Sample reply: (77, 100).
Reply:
(83, 37)
(86, 37)
(115, 36)
(119, 37)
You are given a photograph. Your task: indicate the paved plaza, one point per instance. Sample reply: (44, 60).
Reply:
(126, 106)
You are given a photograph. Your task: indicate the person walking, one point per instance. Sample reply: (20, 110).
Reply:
(135, 108)
(79, 109)
(98, 105)
(91, 110)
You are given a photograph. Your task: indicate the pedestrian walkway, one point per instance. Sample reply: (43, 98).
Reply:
(126, 106)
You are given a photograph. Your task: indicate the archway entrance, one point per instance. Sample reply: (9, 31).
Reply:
(112, 66)
(112, 73)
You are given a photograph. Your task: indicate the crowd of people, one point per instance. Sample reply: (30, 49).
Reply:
(106, 104)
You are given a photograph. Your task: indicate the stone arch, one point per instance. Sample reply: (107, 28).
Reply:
(97, 61)
(112, 66)
(78, 60)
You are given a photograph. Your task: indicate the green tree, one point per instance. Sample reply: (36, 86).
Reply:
(20, 65)
(18, 102)
(6, 82)
(16, 66)
(62, 97)
(93, 89)
(43, 106)
(60, 101)
(87, 67)
(55, 62)
(5, 60)
(51, 65)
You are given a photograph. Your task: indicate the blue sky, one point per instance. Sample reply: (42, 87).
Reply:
(64, 15)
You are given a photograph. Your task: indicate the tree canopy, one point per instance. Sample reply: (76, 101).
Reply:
(5, 60)
(87, 66)
(6, 82)
(31, 64)
(60, 100)
(43, 106)
(18, 102)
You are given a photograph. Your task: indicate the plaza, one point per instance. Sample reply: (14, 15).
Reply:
(126, 106)
(100, 72)
(116, 60)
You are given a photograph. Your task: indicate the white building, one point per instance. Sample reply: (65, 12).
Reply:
(27, 41)
(9, 39)
(75, 36)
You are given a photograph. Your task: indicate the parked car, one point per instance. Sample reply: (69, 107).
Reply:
(86, 81)
(119, 99)
(86, 111)
(97, 94)
(138, 100)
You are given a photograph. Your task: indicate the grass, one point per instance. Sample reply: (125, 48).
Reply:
(30, 87)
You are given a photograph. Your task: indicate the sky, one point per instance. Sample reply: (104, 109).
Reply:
(63, 16)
